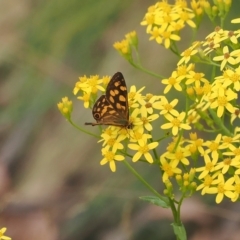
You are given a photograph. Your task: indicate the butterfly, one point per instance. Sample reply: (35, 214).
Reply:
(112, 108)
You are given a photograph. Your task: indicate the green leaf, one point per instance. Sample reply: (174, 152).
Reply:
(179, 231)
(162, 202)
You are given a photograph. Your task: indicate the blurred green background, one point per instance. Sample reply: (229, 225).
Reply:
(51, 184)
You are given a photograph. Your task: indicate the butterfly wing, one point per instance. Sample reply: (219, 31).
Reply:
(104, 113)
(117, 95)
(112, 108)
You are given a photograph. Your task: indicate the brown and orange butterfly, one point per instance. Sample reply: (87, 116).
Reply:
(112, 108)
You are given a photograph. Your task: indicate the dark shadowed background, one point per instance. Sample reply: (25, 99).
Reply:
(51, 184)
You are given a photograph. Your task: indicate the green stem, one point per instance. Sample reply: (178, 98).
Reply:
(83, 130)
(138, 66)
(219, 122)
(143, 181)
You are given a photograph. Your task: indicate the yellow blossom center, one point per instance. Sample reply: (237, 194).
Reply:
(166, 34)
(144, 149)
(172, 80)
(222, 101)
(148, 105)
(227, 161)
(184, 16)
(227, 140)
(168, 107)
(208, 181)
(213, 146)
(199, 142)
(187, 53)
(137, 135)
(168, 170)
(111, 141)
(221, 188)
(226, 55)
(235, 77)
(176, 122)
(144, 120)
(197, 76)
(109, 156)
(179, 155)
(209, 166)
(108, 131)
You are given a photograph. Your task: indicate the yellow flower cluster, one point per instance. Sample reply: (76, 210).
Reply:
(125, 46)
(141, 117)
(65, 107)
(220, 174)
(215, 104)
(89, 88)
(164, 21)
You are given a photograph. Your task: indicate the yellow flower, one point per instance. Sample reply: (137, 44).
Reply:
(112, 142)
(179, 155)
(229, 142)
(156, 34)
(149, 20)
(197, 142)
(134, 96)
(169, 168)
(176, 123)
(185, 17)
(183, 70)
(86, 99)
(221, 98)
(173, 81)
(230, 77)
(65, 107)
(223, 188)
(2, 237)
(124, 49)
(207, 182)
(186, 55)
(227, 57)
(213, 147)
(168, 35)
(132, 38)
(143, 148)
(146, 120)
(208, 168)
(226, 163)
(166, 107)
(110, 157)
(147, 104)
(196, 78)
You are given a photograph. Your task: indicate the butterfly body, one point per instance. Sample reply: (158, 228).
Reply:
(112, 108)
